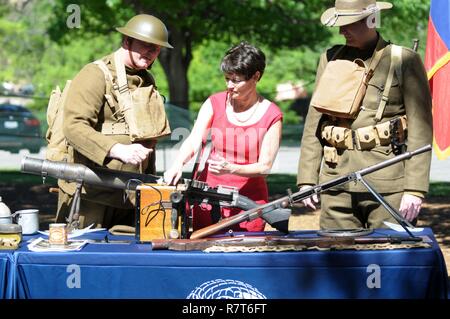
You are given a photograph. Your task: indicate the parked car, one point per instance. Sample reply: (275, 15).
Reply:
(19, 129)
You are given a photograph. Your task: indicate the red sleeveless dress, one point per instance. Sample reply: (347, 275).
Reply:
(238, 145)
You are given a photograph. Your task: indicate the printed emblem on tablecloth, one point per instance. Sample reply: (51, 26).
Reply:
(225, 289)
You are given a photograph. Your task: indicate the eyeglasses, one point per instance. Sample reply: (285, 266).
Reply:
(234, 80)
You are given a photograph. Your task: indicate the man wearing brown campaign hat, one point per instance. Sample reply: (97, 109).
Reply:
(113, 116)
(371, 102)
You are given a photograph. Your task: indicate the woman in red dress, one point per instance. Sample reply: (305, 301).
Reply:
(245, 131)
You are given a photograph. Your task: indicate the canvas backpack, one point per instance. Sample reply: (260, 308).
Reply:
(57, 144)
(141, 122)
(57, 148)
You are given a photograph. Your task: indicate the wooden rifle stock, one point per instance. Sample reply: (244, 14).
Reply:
(301, 195)
(274, 241)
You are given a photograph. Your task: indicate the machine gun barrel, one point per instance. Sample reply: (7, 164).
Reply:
(98, 176)
(301, 195)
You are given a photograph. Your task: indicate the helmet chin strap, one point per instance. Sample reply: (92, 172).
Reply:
(129, 43)
(132, 60)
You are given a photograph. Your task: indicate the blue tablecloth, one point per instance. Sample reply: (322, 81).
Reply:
(135, 271)
(3, 273)
(6, 273)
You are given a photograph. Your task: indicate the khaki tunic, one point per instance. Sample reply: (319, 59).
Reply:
(411, 98)
(86, 110)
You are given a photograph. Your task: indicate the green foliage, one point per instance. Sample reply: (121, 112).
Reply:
(39, 48)
(204, 73)
(292, 24)
(439, 189)
(407, 20)
(283, 65)
(279, 183)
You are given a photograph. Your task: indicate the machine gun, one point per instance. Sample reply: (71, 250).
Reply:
(224, 196)
(80, 174)
(192, 190)
(291, 198)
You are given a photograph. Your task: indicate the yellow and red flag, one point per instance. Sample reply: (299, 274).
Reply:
(437, 58)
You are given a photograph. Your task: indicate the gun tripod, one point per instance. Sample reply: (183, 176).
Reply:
(391, 210)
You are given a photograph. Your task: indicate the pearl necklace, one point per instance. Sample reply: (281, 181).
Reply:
(255, 108)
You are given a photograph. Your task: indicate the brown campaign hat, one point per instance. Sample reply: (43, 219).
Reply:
(349, 11)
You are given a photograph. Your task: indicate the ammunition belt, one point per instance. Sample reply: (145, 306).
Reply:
(115, 128)
(278, 248)
(364, 138)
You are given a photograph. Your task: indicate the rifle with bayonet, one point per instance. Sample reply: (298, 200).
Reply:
(278, 242)
(292, 198)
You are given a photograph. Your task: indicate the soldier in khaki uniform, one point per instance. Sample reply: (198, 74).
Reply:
(325, 155)
(95, 128)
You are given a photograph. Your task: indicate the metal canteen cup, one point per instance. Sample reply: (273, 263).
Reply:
(28, 219)
(6, 219)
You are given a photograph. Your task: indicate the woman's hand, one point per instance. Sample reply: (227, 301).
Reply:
(219, 166)
(173, 174)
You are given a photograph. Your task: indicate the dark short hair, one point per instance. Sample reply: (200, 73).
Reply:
(244, 59)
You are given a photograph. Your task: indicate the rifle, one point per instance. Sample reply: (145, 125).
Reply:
(415, 46)
(277, 242)
(224, 196)
(291, 198)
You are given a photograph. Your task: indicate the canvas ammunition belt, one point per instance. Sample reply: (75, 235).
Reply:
(279, 248)
(115, 128)
(364, 138)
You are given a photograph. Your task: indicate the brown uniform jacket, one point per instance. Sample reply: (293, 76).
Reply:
(86, 109)
(410, 97)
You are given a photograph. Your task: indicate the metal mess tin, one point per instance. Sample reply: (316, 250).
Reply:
(10, 236)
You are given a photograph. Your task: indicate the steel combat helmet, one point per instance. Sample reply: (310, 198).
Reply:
(147, 28)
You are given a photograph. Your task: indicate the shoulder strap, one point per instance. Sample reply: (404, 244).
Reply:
(121, 75)
(123, 89)
(108, 76)
(396, 64)
(376, 59)
(111, 128)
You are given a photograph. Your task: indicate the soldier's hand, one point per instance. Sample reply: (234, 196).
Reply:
(129, 154)
(309, 202)
(410, 206)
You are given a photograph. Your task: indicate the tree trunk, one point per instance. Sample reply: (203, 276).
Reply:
(175, 63)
